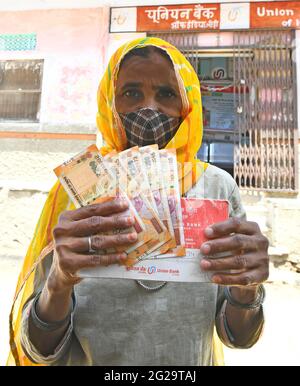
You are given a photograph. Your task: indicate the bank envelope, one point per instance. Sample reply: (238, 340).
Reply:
(197, 214)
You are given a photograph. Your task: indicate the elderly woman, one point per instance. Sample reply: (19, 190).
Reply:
(149, 94)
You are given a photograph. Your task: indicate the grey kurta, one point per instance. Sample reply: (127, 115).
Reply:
(117, 322)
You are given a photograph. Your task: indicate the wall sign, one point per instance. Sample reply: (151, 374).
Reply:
(206, 16)
(218, 110)
(123, 19)
(277, 14)
(180, 17)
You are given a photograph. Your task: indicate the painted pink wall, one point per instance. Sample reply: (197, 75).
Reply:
(73, 44)
(65, 30)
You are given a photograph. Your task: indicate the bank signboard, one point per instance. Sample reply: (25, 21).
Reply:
(206, 17)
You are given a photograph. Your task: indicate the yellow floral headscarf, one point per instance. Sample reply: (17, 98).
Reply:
(187, 141)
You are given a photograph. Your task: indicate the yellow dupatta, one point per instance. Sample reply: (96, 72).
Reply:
(188, 138)
(187, 141)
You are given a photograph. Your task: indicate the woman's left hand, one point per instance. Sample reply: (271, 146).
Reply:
(248, 250)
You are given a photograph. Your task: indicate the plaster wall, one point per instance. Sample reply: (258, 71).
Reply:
(72, 43)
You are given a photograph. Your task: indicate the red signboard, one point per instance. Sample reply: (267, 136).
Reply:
(206, 17)
(179, 17)
(279, 14)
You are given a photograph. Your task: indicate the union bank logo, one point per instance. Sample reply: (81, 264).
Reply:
(235, 15)
(151, 270)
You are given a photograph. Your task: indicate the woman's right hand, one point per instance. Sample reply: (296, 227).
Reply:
(71, 240)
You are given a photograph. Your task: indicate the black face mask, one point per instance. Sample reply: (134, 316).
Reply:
(147, 127)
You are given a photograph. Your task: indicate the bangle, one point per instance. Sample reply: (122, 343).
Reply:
(247, 306)
(227, 329)
(48, 326)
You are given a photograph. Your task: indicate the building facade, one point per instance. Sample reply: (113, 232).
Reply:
(51, 61)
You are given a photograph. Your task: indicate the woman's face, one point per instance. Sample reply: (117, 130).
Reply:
(148, 83)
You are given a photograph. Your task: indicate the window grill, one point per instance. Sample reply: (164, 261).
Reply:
(20, 90)
(265, 135)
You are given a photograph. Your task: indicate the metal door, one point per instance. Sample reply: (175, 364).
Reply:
(266, 135)
(266, 132)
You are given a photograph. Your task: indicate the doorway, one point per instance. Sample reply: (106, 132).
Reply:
(215, 71)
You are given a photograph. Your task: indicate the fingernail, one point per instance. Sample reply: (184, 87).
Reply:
(205, 264)
(216, 279)
(123, 203)
(209, 232)
(132, 236)
(129, 220)
(123, 256)
(205, 248)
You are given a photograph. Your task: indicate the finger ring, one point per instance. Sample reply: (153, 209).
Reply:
(91, 250)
